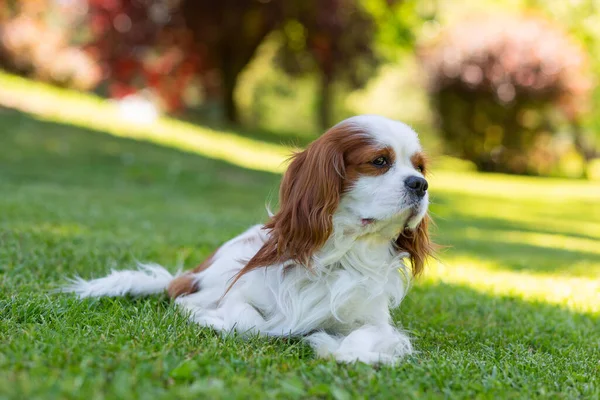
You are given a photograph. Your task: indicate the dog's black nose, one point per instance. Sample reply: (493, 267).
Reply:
(417, 184)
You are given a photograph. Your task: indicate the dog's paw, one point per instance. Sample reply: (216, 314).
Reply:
(367, 357)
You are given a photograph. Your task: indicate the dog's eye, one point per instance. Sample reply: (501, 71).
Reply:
(420, 168)
(380, 162)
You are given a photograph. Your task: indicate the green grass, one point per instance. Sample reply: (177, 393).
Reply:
(512, 310)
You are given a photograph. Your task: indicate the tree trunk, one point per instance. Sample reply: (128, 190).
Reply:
(587, 151)
(229, 105)
(325, 102)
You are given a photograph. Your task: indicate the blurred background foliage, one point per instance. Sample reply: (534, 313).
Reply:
(499, 83)
(508, 85)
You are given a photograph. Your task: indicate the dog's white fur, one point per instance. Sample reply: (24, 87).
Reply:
(341, 304)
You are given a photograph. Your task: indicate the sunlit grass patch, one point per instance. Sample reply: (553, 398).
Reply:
(534, 239)
(544, 240)
(581, 294)
(88, 111)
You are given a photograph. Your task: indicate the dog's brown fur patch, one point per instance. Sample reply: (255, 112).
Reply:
(185, 284)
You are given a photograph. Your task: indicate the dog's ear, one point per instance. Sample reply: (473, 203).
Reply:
(309, 195)
(417, 244)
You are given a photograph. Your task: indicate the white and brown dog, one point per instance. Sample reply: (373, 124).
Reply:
(330, 264)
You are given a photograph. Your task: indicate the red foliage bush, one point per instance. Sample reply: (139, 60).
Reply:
(120, 46)
(142, 45)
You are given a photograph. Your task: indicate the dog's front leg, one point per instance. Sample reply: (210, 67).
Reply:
(371, 344)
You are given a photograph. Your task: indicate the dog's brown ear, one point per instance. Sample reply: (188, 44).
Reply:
(309, 195)
(417, 244)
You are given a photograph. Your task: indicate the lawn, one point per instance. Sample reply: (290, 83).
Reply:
(511, 309)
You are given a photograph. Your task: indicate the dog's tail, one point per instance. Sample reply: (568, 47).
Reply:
(146, 280)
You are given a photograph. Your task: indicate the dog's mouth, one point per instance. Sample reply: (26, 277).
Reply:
(413, 211)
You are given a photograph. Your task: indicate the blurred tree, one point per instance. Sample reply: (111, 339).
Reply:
(166, 45)
(333, 37)
(398, 23)
(338, 40)
(227, 34)
(495, 82)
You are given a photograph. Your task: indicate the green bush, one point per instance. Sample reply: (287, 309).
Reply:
(504, 89)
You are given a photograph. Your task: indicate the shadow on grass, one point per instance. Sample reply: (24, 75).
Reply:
(518, 234)
(529, 257)
(519, 345)
(461, 221)
(459, 311)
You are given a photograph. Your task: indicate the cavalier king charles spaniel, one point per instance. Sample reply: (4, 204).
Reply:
(330, 264)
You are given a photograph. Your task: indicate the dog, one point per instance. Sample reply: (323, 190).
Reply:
(330, 264)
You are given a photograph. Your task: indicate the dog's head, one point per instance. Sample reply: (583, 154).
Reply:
(365, 176)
